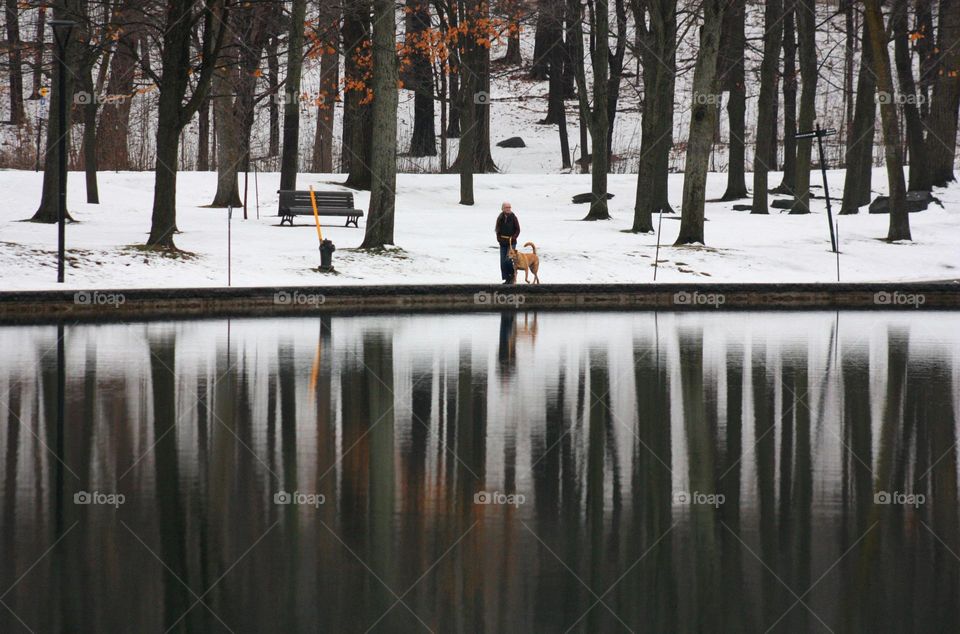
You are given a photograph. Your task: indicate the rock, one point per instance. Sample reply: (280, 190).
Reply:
(916, 201)
(783, 203)
(512, 142)
(582, 199)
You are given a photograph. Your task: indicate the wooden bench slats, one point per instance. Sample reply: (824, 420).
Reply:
(298, 203)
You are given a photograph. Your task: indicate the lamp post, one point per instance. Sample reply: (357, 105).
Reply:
(61, 33)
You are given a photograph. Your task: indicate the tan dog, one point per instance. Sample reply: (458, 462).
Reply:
(526, 262)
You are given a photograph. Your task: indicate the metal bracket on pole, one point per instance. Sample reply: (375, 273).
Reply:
(820, 133)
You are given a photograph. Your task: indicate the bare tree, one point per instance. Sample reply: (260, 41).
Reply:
(657, 22)
(379, 230)
(598, 23)
(702, 123)
(290, 153)
(899, 219)
(766, 146)
(945, 103)
(173, 113)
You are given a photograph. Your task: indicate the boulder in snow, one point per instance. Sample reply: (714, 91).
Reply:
(512, 142)
(582, 199)
(916, 201)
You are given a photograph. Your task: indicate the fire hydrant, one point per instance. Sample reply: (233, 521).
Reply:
(326, 256)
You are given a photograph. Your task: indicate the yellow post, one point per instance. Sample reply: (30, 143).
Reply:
(316, 216)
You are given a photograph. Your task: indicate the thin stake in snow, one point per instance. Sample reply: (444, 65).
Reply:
(229, 241)
(656, 257)
(837, 251)
(820, 133)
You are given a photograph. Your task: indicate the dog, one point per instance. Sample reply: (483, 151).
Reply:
(526, 262)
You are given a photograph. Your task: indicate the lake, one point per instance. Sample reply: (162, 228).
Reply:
(494, 472)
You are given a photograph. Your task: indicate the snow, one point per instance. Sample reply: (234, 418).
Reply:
(440, 241)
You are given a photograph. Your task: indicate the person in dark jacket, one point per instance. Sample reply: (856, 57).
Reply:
(508, 228)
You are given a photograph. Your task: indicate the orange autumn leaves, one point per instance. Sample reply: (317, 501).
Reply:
(433, 43)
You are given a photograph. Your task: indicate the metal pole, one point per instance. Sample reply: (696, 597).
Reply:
(826, 188)
(62, 39)
(256, 187)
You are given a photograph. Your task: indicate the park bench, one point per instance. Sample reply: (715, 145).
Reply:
(298, 203)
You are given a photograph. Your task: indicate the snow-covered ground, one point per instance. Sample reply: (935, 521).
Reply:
(439, 241)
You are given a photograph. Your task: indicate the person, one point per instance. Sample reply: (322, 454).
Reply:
(508, 229)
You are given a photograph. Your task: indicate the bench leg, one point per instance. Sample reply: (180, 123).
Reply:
(353, 221)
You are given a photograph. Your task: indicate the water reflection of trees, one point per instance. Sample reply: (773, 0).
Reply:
(598, 420)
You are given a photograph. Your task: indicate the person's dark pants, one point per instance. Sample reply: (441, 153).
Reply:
(506, 265)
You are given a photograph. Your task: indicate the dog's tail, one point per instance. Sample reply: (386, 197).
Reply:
(532, 246)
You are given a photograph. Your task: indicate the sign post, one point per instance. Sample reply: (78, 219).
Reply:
(820, 133)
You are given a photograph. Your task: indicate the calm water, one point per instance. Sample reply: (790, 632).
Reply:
(483, 473)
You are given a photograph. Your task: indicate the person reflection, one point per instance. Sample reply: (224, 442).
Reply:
(506, 352)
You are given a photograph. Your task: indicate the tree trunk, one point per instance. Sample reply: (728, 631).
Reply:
(899, 218)
(290, 157)
(859, 159)
(850, 38)
(273, 82)
(659, 58)
(919, 176)
(945, 104)
(172, 113)
(89, 145)
(48, 211)
(788, 183)
(380, 216)
(357, 129)
(229, 151)
(453, 125)
(702, 122)
(15, 68)
(329, 85)
(598, 116)
(164, 217)
(468, 82)
(735, 82)
(807, 33)
(543, 40)
(616, 72)
(37, 66)
(556, 96)
(420, 79)
(514, 15)
(203, 132)
(766, 145)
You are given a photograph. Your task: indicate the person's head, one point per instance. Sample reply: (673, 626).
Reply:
(506, 208)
